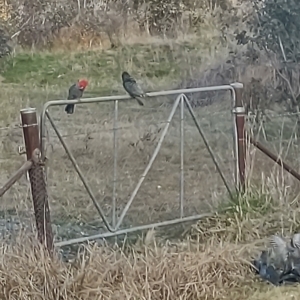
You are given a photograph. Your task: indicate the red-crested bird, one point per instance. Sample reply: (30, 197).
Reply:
(75, 92)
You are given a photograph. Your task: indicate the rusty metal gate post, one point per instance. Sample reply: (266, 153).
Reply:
(37, 177)
(240, 116)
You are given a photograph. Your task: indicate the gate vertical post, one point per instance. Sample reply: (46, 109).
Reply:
(37, 177)
(239, 120)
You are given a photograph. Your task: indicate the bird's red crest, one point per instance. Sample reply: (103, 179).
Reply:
(82, 83)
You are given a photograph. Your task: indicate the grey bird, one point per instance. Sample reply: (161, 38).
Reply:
(280, 264)
(279, 251)
(294, 249)
(132, 88)
(287, 253)
(295, 241)
(266, 271)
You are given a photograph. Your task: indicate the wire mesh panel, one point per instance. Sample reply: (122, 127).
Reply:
(279, 133)
(161, 195)
(151, 172)
(216, 122)
(137, 165)
(15, 205)
(90, 141)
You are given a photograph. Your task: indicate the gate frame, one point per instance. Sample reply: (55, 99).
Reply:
(239, 151)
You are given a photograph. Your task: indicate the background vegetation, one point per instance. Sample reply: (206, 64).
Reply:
(47, 45)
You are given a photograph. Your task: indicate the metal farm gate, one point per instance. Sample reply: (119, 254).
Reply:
(182, 101)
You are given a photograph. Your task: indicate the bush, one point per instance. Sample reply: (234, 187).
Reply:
(40, 23)
(279, 20)
(276, 25)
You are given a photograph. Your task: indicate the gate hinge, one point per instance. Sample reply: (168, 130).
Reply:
(21, 150)
(239, 110)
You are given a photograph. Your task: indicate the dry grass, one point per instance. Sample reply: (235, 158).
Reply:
(148, 273)
(218, 269)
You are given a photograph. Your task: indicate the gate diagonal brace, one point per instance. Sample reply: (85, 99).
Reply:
(156, 151)
(80, 174)
(192, 113)
(150, 164)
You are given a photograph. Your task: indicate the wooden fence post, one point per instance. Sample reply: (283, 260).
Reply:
(240, 116)
(37, 177)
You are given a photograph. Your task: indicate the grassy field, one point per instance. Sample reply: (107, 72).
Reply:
(209, 260)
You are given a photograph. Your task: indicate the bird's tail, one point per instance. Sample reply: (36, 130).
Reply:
(140, 102)
(69, 109)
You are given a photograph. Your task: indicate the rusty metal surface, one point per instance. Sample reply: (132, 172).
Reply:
(40, 204)
(30, 130)
(274, 157)
(37, 177)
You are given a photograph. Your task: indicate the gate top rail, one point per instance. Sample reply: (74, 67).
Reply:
(150, 94)
(227, 87)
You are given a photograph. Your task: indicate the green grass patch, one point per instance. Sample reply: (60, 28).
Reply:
(254, 201)
(102, 67)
